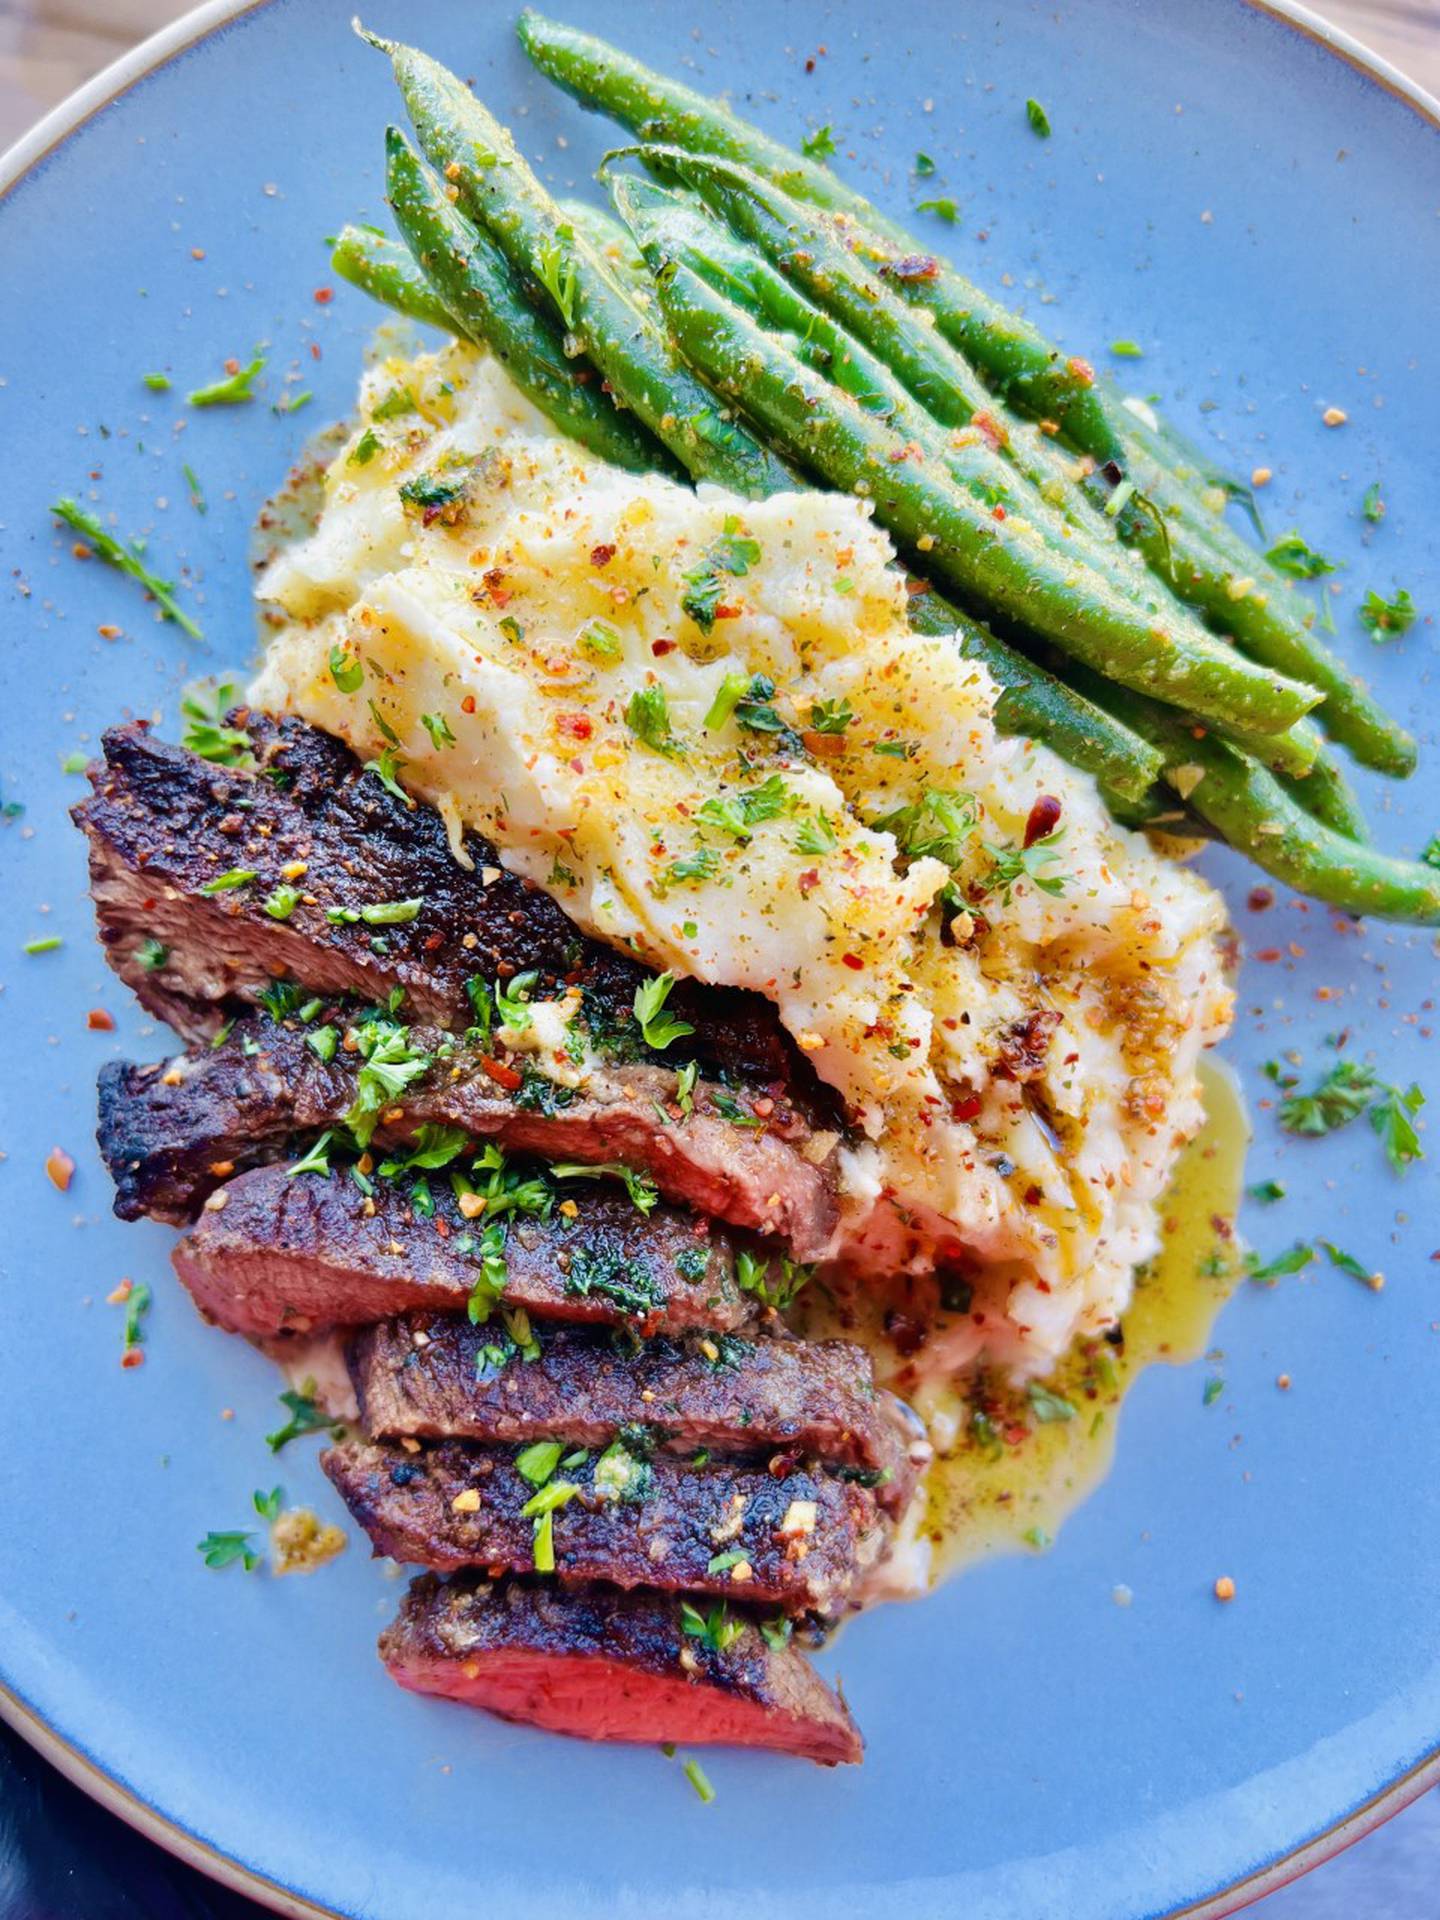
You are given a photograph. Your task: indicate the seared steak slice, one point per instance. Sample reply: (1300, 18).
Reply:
(611, 1666)
(172, 1131)
(163, 824)
(275, 1252)
(430, 1378)
(796, 1541)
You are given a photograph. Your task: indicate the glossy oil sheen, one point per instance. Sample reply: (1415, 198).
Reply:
(1033, 1748)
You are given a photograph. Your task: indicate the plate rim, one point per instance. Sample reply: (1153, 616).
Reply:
(70, 1759)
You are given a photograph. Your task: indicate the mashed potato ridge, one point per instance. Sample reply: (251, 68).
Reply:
(705, 726)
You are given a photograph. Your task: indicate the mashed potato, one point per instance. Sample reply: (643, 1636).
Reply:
(705, 726)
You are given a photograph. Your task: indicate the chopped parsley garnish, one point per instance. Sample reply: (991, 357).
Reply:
(364, 449)
(128, 557)
(346, 670)
(157, 382)
(197, 492)
(512, 1000)
(943, 209)
(435, 494)
(48, 943)
(924, 166)
(389, 1065)
(74, 763)
(937, 826)
(281, 903)
(1126, 350)
(1347, 1263)
(323, 1042)
(1385, 619)
(1373, 505)
(728, 696)
(1009, 865)
(658, 1029)
(736, 813)
(292, 402)
(399, 401)
(730, 1109)
(702, 864)
(306, 1416)
(489, 1285)
(816, 835)
(601, 643)
(433, 1147)
(1038, 118)
(1297, 560)
(224, 1549)
(699, 1780)
(685, 1086)
(387, 771)
(557, 271)
(733, 553)
(774, 1282)
(391, 913)
(1265, 1273)
(1046, 1406)
(648, 718)
(137, 1305)
(644, 1194)
(1347, 1090)
(230, 881)
(152, 954)
(240, 386)
(204, 704)
(831, 716)
(719, 1628)
(776, 1633)
(1214, 1387)
(819, 144)
(1267, 1192)
(268, 1505)
(536, 1463)
(621, 1474)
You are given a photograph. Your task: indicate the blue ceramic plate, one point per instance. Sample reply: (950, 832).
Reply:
(1259, 214)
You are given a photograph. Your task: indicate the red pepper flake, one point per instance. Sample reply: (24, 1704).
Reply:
(99, 1021)
(602, 555)
(809, 880)
(853, 961)
(997, 513)
(728, 613)
(323, 296)
(1042, 819)
(1082, 370)
(1259, 899)
(502, 1075)
(197, 253)
(133, 1357)
(764, 1107)
(990, 429)
(578, 726)
(1268, 955)
(661, 647)
(967, 1108)
(467, 705)
(60, 1168)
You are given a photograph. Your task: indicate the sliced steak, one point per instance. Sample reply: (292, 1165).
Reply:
(164, 823)
(430, 1378)
(606, 1665)
(797, 1540)
(275, 1252)
(172, 1131)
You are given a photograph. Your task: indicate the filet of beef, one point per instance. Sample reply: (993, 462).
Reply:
(607, 1665)
(163, 823)
(429, 1378)
(170, 1132)
(796, 1540)
(275, 1252)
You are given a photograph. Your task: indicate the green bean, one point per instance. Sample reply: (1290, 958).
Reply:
(1014, 358)
(497, 190)
(1001, 563)
(614, 245)
(1036, 706)
(1255, 813)
(479, 288)
(381, 267)
(1328, 795)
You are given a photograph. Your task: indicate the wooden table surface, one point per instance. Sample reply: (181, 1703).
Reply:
(48, 47)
